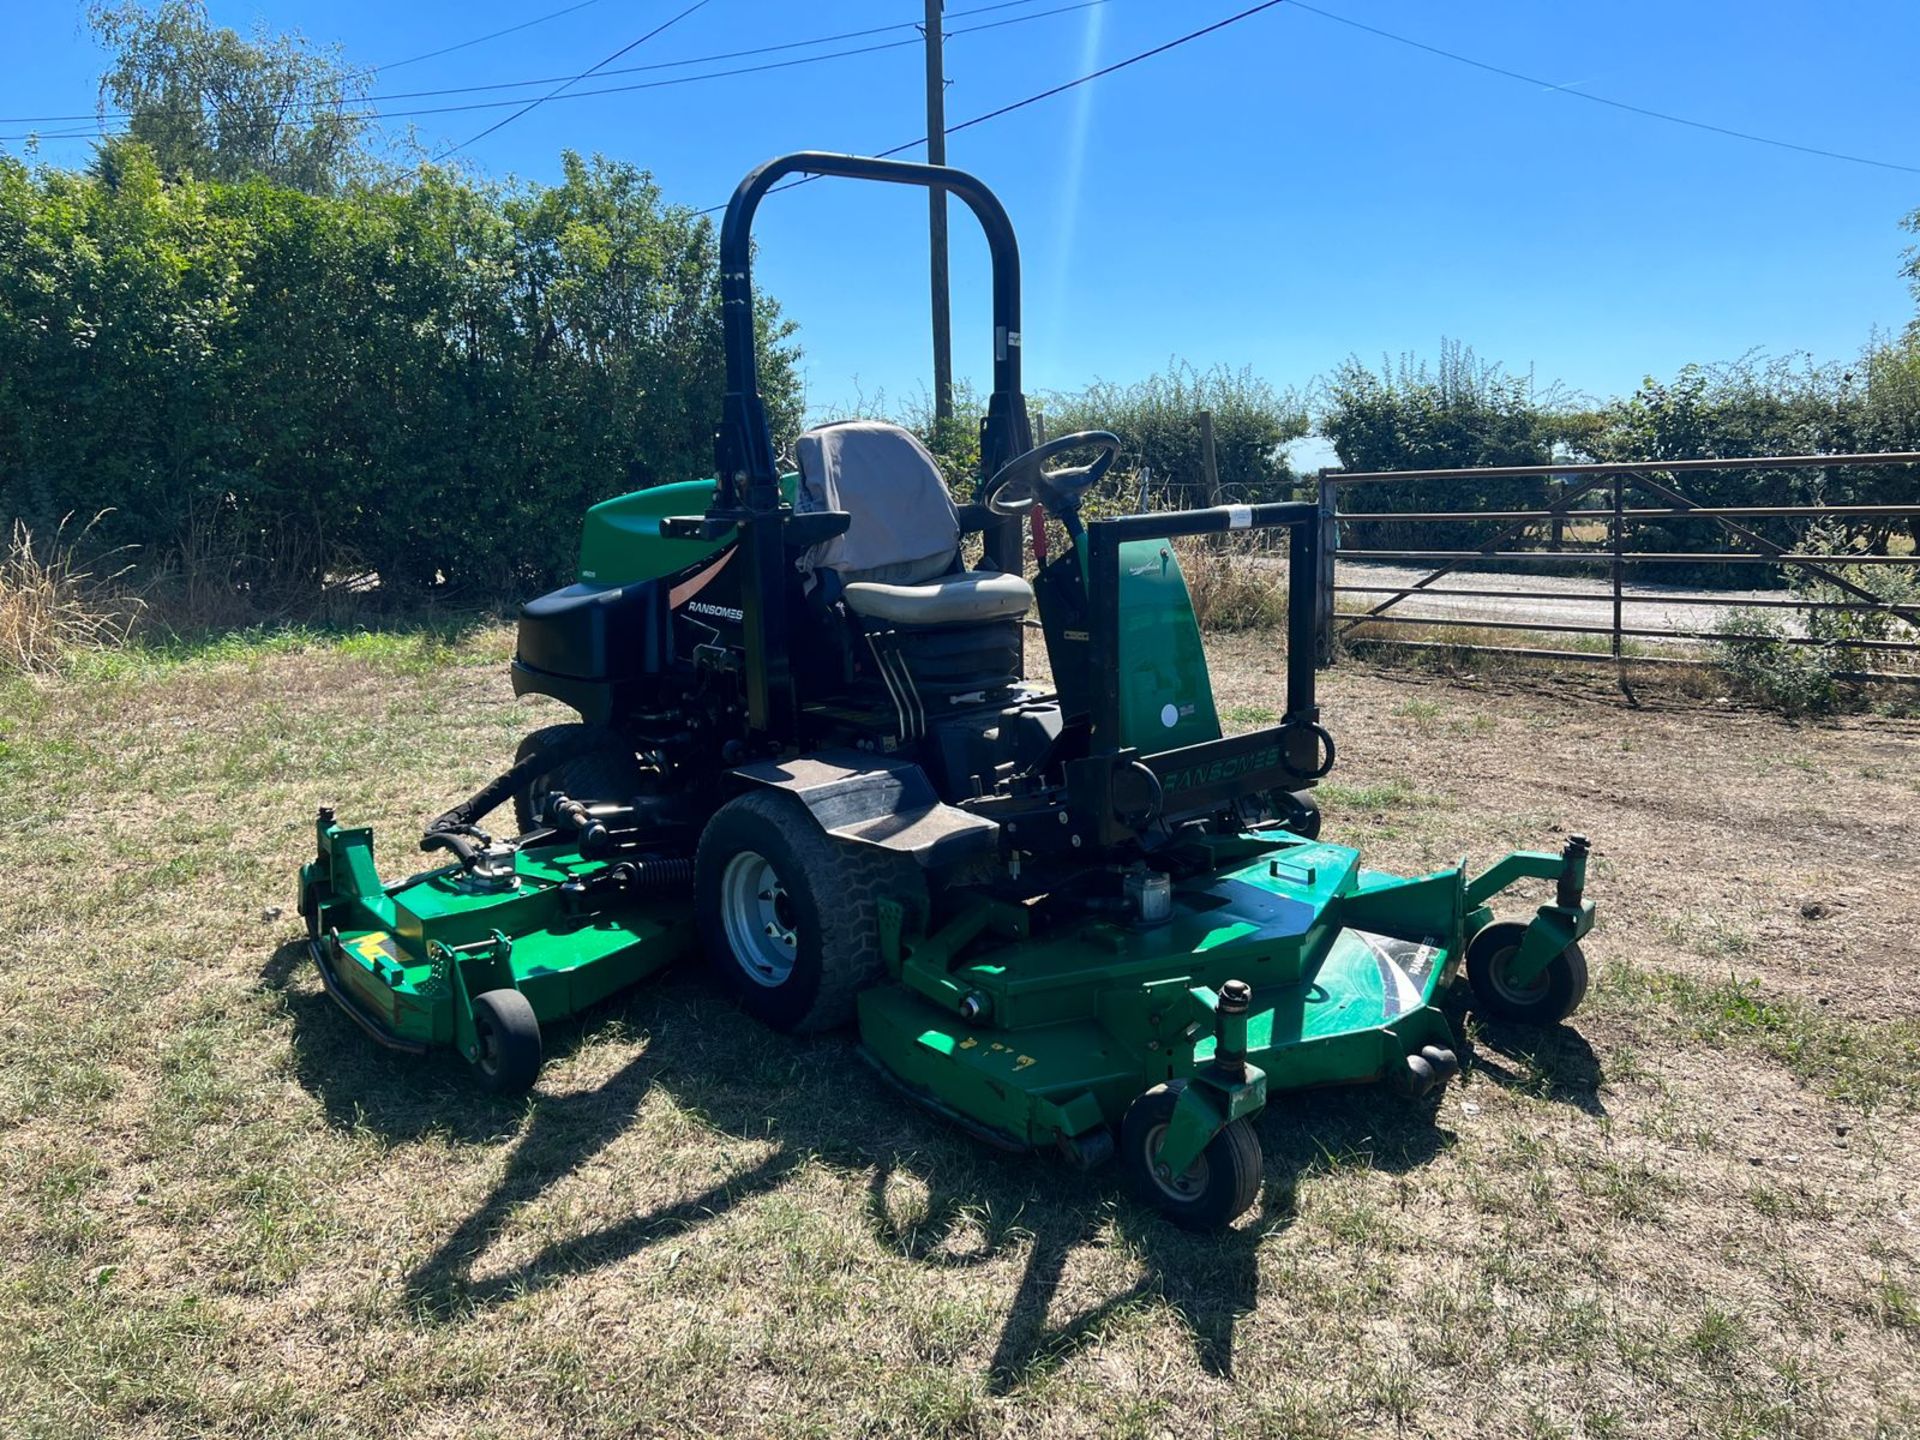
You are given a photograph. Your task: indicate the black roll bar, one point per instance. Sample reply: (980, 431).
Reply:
(746, 454)
(748, 493)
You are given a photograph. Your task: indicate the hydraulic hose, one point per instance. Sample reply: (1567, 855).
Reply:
(489, 797)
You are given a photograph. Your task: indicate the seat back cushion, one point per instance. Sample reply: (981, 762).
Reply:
(904, 529)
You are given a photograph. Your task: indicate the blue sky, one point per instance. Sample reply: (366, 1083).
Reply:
(1280, 194)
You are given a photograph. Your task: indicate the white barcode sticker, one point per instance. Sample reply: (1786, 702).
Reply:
(1239, 517)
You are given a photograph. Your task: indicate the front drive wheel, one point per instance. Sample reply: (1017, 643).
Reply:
(1214, 1191)
(789, 915)
(600, 771)
(507, 1037)
(1547, 999)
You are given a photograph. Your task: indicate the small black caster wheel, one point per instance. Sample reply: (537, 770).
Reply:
(1547, 999)
(1415, 1077)
(1214, 1191)
(507, 1037)
(1445, 1063)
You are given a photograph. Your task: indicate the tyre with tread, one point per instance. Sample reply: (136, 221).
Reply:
(507, 1040)
(1215, 1191)
(789, 915)
(605, 771)
(1548, 999)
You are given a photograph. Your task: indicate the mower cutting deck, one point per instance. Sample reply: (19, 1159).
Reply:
(1081, 919)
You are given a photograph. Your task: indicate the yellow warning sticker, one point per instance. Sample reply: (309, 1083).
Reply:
(374, 947)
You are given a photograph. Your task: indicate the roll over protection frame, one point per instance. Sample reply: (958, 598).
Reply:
(748, 494)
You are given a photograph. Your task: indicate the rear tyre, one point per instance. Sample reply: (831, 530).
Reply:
(1547, 999)
(1215, 1190)
(789, 916)
(606, 770)
(507, 1039)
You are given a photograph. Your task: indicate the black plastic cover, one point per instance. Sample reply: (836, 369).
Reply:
(595, 632)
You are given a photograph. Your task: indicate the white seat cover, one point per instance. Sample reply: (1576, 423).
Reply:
(951, 600)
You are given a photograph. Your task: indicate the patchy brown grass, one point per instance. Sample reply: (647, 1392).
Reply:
(1693, 1211)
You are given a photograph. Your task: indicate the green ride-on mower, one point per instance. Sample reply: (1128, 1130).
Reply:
(1076, 918)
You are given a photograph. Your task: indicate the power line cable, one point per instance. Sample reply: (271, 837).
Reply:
(1047, 94)
(380, 98)
(477, 40)
(536, 104)
(93, 133)
(1604, 100)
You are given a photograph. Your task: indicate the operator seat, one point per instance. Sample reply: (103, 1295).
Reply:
(935, 631)
(899, 559)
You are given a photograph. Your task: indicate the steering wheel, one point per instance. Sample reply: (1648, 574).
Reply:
(1021, 481)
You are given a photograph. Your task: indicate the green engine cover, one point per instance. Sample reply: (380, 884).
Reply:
(621, 542)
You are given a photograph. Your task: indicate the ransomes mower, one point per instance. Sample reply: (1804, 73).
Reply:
(1075, 918)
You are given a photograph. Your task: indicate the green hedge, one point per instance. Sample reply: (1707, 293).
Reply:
(428, 383)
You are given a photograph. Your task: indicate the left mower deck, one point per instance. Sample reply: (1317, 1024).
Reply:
(409, 962)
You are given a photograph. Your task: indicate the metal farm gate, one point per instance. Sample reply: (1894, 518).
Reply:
(1603, 539)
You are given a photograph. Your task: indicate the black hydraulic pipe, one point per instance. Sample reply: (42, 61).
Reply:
(489, 797)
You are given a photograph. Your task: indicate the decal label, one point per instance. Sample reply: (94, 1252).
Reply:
(1264, 758)
(375, 947)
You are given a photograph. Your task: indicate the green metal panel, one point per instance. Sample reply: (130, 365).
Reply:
(621, 541)
(1101, 1012)
(408, 954)
(1166, 694)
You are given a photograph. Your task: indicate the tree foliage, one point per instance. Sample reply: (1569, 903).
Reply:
(1755, 407)
(1158, 422)
(1463, 414)
(427, 384)
(210, 103)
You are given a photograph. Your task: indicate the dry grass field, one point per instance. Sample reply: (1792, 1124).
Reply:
(1693, 1211)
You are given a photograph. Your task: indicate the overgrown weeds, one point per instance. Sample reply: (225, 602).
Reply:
(1802, 675)
(53, 604)
(1234, 584)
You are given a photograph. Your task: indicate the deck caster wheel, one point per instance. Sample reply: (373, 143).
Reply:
(1547, 999)
(1214, 1191)
(1445, 1063)
(1415, 1078)
(507, 1042)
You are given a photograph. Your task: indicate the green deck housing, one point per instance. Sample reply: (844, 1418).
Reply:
(1029, 1039)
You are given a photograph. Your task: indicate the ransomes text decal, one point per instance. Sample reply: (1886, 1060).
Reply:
(1214, 772)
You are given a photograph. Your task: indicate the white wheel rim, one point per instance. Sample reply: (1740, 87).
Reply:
(1184, 1188)
(757, 914)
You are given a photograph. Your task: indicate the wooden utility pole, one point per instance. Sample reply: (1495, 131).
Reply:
(937, 217)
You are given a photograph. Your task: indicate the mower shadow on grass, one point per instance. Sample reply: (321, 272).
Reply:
(816, 1102)
(1210, 1281)
(1555, 1063)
